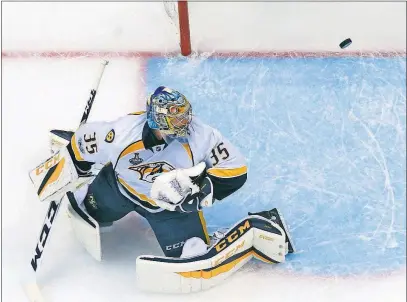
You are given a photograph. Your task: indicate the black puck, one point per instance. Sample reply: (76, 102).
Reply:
(345, 43)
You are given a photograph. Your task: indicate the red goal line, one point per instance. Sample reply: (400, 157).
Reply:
(208, 54)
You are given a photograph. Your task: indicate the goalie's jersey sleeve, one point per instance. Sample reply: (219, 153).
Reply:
(226, 166)
(101, 142)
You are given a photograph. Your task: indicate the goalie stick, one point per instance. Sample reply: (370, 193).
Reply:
(92, 96)
(31, 288)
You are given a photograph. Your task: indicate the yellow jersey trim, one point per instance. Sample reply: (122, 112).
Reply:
(205, 229)
(189, 151)
(227, 173)
(142, 197)
(134, 147)
(75, 148)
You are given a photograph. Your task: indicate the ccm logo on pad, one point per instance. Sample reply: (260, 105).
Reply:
(239, 231)
(175, 246)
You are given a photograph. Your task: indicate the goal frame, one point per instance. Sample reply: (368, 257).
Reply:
(184, 29)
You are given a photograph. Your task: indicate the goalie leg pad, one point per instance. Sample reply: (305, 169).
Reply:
(268, 241)
(86, 228)
(275, 216)
(254, 236)
(193, 247)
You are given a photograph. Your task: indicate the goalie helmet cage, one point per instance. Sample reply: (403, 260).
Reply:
(178, 13)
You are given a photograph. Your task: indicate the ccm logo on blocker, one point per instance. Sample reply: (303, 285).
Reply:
(48, 164)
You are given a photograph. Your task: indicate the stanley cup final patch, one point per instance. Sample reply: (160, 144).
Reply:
(110, 136)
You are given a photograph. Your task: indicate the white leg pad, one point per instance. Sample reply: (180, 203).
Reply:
(87, 233)
(269, 243)
(254, 236)
(193, 247)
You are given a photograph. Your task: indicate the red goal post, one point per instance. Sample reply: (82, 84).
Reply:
(185, 37)
(178, 13)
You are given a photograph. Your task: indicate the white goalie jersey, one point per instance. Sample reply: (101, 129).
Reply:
(138, 157)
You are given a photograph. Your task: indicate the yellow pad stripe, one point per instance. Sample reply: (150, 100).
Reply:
(222, 268)
(139, 195)
(75, 148)
(226, 173)
(55, 175)
(215, 272)
(132, 148)
(261, 258)
(205, 229)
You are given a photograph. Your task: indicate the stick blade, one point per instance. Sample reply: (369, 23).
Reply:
(33, 292)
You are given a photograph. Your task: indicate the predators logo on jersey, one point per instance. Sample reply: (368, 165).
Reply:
(110, 136)
(150, 171)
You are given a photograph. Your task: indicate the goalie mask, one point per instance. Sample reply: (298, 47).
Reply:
(169, 111)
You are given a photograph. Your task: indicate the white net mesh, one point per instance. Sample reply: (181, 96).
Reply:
(171, 9)
(172, 12)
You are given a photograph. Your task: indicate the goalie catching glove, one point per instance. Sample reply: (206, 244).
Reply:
(183, 190)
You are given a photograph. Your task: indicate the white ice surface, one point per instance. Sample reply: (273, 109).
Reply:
(222, 26)
(41, 94)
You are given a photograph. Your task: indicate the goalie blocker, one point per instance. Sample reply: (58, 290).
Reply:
(263, 236)
(55, 176)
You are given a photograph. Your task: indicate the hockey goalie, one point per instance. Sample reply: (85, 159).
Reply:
(166, 165)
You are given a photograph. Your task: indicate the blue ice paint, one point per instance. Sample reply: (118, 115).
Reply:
(325, 141)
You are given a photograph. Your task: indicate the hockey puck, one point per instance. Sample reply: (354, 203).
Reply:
(345, 43)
